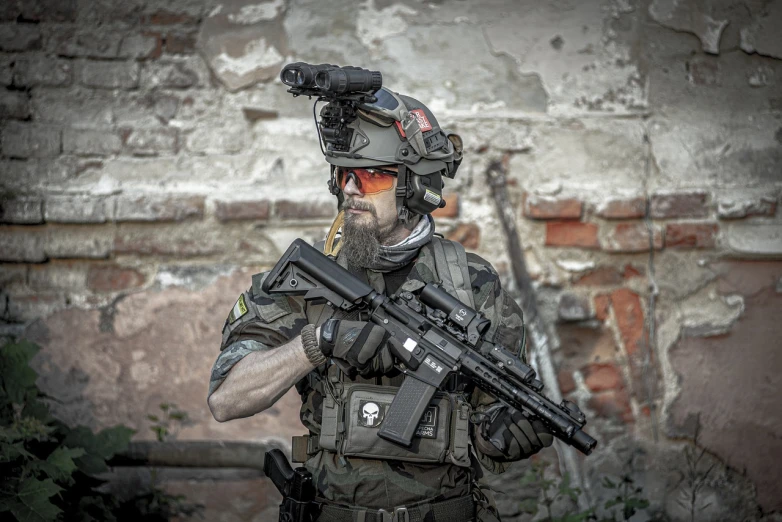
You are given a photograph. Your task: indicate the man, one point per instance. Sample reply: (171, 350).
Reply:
(341, 365)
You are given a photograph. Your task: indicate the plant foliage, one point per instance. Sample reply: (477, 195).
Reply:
(47, 468)
(627, 501)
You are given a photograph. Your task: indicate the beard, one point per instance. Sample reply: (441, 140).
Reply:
(361, 235)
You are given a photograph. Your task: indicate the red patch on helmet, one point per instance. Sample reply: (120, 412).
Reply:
(423, 121)
(400, 129)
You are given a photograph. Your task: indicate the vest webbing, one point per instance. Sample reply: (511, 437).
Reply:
(450, 260)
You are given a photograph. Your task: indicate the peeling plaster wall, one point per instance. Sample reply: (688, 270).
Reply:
(150, 162)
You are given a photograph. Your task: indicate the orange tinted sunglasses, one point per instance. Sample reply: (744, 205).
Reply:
(368, 181)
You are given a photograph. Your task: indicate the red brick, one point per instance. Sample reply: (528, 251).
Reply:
(631, 237)
(22, 244)
(601, 276)
(113, 278)
(468, 234)
(571, 234)
(159, 208)
(57, 276)
(181, 43)
(622, 208)
(24, 308)
(566, 382)
(612, 404)
(151, 142)
(740, 208)
(254, 210)
(602, 376)
(165, 17)
(12, 275)
(679, 205)
(20, 37)
(14, 105)
(79, 241)
(451, 208)
(629, 319)
(21, 211)
(630, 271)
(146, 45)
(48, 10)
(76, 209)
(573, 307)
(691, 235)
(301, 209)
(151, 242)
(602, 306)
(549, 207)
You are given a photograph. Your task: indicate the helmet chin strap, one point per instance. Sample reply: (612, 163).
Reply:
(402, 212)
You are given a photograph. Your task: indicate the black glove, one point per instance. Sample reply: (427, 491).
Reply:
(511, 435)
(362, 345)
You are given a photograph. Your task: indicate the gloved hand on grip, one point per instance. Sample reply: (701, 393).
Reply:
(362, 345)
(505, 433)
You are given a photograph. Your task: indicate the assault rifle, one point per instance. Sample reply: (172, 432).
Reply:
(432, 334)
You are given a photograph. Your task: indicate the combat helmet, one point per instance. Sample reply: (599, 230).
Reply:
(367, 125)
(400, 130)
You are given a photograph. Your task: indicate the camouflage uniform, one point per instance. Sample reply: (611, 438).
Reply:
(272, 321)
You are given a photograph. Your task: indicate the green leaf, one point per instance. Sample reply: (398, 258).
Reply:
(637, 503)
(153, 418)
(38, 410)
(160, 432)
(16, 376)
(100, 447)
(529, 505)
(614, 502)
(179, 416)
(31, 428)
(113, 440)
(577, 517)
(607, 483)
(10, 452)
(59, 464)
(32, 501)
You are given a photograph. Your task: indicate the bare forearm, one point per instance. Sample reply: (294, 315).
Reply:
(259, 380)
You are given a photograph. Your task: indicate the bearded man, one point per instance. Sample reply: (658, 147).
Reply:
(387, 185)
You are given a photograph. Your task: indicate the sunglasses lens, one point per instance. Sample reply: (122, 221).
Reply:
(369, 181)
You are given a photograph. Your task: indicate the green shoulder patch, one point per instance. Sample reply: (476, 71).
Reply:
(239, 309)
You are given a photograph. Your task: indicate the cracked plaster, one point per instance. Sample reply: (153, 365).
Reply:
(762, 35)
(588, 157)
(243, 43)
(706, 314)
(687, 16)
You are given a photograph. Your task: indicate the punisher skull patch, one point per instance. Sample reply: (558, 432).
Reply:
(371, 414)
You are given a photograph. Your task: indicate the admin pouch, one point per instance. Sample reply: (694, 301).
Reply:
(351, 423)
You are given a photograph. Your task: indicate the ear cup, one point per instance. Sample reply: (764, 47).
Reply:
(425, 194)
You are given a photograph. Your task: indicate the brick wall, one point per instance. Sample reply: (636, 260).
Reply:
(150, 162)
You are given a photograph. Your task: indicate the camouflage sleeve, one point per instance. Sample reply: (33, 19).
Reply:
(256, 322)
(507, 330)
(507, 319)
